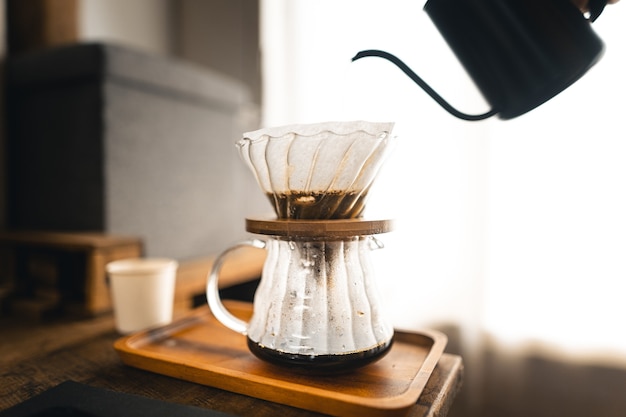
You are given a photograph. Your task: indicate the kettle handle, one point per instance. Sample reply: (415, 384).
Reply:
(595, 9)
(416, 78)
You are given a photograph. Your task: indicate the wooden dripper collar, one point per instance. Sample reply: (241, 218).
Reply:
(318, 229)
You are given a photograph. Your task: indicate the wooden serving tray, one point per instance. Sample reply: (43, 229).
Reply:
(199, 349)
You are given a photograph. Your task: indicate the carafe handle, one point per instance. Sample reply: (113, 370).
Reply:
(212, 289)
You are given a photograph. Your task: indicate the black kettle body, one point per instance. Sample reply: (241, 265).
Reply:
(519, 53)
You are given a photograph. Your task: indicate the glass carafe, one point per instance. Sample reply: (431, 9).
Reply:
(316, 307)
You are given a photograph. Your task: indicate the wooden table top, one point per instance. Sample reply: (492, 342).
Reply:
(37, 356)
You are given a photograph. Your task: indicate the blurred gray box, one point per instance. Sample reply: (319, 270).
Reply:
(105, 138)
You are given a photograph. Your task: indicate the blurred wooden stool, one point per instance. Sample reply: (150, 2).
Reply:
(46, 273)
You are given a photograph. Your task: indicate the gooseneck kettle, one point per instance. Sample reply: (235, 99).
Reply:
(519, 53)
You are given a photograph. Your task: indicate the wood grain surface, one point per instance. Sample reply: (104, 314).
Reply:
(36, 356)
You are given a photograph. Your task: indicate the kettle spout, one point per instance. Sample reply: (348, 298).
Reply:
(420, 82)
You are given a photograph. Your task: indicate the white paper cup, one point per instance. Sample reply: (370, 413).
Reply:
(142, 290)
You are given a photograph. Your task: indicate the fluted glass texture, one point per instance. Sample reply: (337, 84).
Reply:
(317, 171)
(319, 298)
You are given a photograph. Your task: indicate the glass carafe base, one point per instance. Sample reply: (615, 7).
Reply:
(320, 364)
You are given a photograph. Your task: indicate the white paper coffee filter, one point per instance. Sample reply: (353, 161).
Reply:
(321, 157)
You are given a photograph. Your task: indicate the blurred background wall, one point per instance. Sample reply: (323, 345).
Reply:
(207, 42)
(217, 34)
